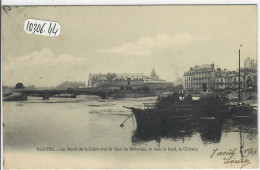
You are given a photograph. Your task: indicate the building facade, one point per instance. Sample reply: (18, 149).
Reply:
(127, 81)
(227, 80)
(250, 64)
(200, 78)
(188, 77)
(207, 78)
(94, 79)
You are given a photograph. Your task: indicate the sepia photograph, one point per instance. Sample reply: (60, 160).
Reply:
(129, 87)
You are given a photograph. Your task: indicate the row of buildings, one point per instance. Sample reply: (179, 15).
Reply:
(127, 81)
(207, 78)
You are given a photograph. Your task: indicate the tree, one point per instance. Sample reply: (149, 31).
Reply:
(146, 89)
(31, 87)
(70, 89)
(178, 87)
(19, 86)
(110, 76)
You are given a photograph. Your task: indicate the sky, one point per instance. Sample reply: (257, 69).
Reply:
(124, 39)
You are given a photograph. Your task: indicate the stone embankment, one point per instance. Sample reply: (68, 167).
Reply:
(14, 96)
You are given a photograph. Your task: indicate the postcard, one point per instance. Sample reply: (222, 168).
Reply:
(129, 87)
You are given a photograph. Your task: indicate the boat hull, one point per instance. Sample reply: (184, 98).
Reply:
(154, 119)
(241, 110)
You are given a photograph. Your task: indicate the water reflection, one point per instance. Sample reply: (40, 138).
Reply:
(172, 129)
(245, 125)
(210, 129)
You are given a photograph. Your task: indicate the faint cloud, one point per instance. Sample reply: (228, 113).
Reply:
(43, 67)
(148, 45)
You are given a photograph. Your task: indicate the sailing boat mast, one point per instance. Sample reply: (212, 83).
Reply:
(239, 97)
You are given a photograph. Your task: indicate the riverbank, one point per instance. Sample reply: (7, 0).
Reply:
(130, 94)
(14, 96)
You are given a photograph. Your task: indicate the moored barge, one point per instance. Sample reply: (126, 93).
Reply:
(170, 111)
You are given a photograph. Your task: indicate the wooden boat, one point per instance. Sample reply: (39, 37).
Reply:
(240, 109)
(170, 112)
(159, 118)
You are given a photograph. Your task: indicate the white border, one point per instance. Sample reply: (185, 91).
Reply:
(124, 2)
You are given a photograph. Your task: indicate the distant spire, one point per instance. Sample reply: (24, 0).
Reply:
(153, 74)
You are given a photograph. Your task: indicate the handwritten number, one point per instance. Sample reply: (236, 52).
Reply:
(27, 25)
(39, 28)
(55, 31)
(49, 30)
(35, 26)
(30, 27)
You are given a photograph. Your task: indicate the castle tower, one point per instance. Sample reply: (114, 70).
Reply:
(153, 74)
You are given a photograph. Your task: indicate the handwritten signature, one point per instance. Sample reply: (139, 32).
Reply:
(232, 157)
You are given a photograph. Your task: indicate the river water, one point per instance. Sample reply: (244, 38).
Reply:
(89, 122)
